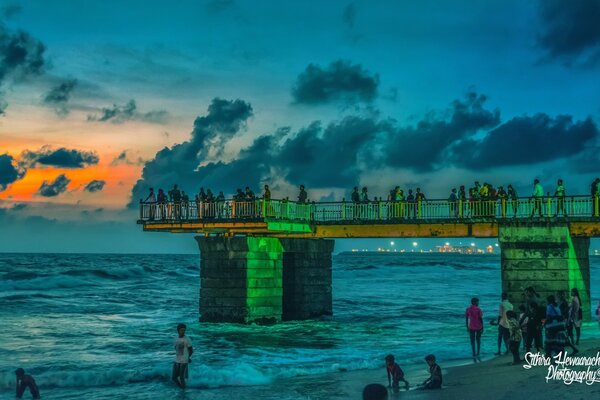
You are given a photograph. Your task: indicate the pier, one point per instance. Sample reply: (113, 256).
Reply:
(268, 261)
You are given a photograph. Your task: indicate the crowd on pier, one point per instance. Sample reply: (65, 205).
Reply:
(479, 200)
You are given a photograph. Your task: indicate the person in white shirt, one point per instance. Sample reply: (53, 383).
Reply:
(503, 326)
(183, 354)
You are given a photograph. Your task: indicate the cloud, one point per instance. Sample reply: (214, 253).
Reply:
(527, 140)
(570, 31)
(426, 145)
(180, 163)
(19, 206)
(94, 186)
(467, 134)
(9, 172)
(128, 112)
(340, 81)
(60, 158)
(52, 189)
(349, 15)
(58, 97)
(10, 10)
(20, 54)
(123, 158)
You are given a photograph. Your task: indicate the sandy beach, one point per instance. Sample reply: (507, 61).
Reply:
(489, 380)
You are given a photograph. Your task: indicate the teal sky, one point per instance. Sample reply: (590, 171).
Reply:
(377, 93)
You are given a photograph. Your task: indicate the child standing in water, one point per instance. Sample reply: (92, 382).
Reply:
(183, 354)
(26, 381)
(394, 373)
(435, 379)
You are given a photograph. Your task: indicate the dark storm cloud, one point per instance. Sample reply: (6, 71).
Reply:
(20, 54)
(467, 134)
(341, 80)
(52, 189)
(349, 15)
(128, 112)
(10, 10)
(9, 172)
(527, 140)
(60, 158)
(570, 30)
(328, 157)
(94, 186)
(179, 164)
(425, 146)
(58, 97)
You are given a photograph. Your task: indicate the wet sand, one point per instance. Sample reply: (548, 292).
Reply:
(488, 380)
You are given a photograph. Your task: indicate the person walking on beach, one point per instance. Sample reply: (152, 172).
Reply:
(25, 381)
(374, 391)
(556, 337)
(503, 333)
(474, 321)
(435, 379)
(515, 336)
(394, 373)
(575, 316)
(183, 354)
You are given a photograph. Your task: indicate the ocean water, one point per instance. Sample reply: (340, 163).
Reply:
(102, 326)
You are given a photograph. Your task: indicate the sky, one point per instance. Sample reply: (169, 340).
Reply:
(100, 100)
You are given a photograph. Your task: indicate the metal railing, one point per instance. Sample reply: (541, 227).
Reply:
(396, 211)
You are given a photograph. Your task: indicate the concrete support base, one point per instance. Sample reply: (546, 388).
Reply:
(264, 280)
(546, 257)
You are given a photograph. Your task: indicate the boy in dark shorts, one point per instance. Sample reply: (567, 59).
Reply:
(394, 373)
(183, 354)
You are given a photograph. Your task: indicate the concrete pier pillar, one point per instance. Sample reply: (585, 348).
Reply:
(263, 279)
(546, 257)
(307, 291)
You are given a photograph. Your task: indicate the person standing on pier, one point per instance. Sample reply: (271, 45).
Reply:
(474, 320)
(512, 195)
(503, 332)
(595, 205)
(302, 196)
(537, 196)
(151, 201)
(559, 194)
(183, 356)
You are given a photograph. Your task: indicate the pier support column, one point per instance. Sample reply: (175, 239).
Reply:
(240, 279)
(264, 279)
(307, 279)
(546, 257)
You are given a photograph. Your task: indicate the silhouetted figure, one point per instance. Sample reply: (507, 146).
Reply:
(556, 337)
(183, 354)
(161, 199)
(25, 381)
(595, 202)
(452, 202)
(503, 333)
(575, 315)
(474, 320)
(151, 200)
(559, 194)
(435, 379)
(302, 196)
(267, 193)
(537, 197)
(375, 391)
(394, 373)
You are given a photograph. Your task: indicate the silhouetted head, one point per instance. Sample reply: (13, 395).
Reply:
(504, 296)
(574, 292)
(20, 372)
(375, 391)
(560, 182)
(181, 329)
(152, 190)
(418, 190)
(364, 189)
(536, 181)
(266, 187)
(356, 188)
(389, 359)
(475, 301)
(511, 314)
(175, 186)
(430, 359)
(301, 187)
(551, 299)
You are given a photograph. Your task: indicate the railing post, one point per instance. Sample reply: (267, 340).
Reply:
(343, 209)
(595, 204)
(548, 202)
(419, 209)
(460, 208)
